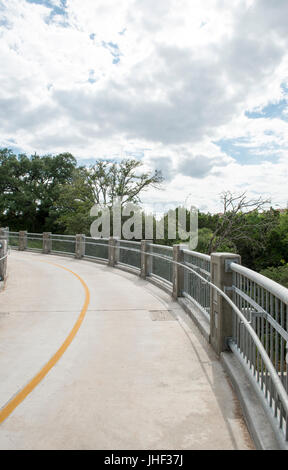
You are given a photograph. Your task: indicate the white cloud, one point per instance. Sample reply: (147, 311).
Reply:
(184, 73)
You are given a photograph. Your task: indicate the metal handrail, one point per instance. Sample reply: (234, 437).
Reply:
(165, 247)
(191, 265)
(96, 244)
(64, 236)
(273, 287)
(198, 255)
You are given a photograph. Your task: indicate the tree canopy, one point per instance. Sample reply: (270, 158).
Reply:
(29, 186)
(52, 193)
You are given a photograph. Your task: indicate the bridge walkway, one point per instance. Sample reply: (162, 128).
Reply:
(123, 366)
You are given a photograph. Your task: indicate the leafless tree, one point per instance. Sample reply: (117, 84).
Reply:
(234, 223)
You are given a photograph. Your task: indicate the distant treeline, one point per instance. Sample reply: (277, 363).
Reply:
(55, 194)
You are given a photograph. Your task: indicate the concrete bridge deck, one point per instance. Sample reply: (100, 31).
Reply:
(134, 374)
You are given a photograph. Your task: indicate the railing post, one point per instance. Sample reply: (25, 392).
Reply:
(178, 271)
(47, 243)
(3, 262)
(22, 246)
(4, 233)
(80, 246)
(145, 259)
(113, 251)
(221, 313)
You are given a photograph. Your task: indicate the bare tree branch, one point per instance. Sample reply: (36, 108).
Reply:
(235, 224)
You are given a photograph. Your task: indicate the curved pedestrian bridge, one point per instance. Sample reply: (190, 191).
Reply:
(92, 357)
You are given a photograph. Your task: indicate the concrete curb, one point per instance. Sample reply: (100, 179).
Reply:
(261, 430)
(162, 285)
(197, 317)
(127, 269)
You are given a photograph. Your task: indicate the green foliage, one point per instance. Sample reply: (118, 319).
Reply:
(29, 186)
(71, 209)
(256, 245)
(50, 193)
(208, 221)
(204, 237)
(277, 274)
(102, 183)
(123, 181)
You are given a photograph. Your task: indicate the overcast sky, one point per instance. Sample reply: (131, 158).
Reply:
(195, 88)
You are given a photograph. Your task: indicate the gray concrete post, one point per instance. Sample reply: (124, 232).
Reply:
(146, 260)
(221, 314)
(80, 246)
(178, 271)
(4, 233)
(3, 262)
(113, 251)
(22, 245)
(47, 242)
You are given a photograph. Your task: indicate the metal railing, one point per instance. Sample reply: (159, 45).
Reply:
(96, 249)
(129, 254)
(63, 244)
(161, 262)
(13, 239)
(264, 305)
(194, 288)
(258, 306)
(34, 242)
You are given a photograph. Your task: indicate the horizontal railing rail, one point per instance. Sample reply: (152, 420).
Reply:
(4, 257)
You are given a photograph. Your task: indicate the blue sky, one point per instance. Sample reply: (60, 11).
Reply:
(196, 89)
(58, 8)
(246, 154)
(272, 110)
(278, 110)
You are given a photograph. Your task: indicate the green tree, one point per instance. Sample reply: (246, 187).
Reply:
(123, 181)
(103, 183)
(243, 222)
(72, 208)
(277, 274)
(29, 187)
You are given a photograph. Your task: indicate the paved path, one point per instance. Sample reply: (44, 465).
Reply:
(136, 375)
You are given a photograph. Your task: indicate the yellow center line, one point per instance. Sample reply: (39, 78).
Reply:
(22, 394)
